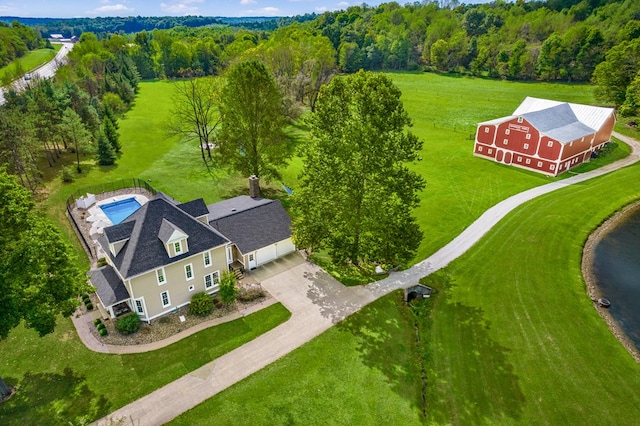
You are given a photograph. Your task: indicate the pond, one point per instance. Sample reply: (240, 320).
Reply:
(616, 269)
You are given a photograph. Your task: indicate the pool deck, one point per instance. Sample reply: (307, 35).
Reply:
(99, 220)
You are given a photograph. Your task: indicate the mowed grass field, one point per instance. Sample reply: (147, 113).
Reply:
(29, 61)
(369, 360)
(511, 338)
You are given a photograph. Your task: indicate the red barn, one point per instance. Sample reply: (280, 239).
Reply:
(545, 136)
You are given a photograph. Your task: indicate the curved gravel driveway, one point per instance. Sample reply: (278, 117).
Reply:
(317, 302)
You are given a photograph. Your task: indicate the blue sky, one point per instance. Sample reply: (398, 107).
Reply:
(93, 8)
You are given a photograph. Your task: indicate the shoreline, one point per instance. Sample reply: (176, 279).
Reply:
(593, 291)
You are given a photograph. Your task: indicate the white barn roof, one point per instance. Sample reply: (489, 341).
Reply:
(592, 116)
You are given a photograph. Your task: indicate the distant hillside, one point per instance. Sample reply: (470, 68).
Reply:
(132, 24)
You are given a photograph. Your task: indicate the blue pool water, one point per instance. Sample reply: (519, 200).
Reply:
(120, 210)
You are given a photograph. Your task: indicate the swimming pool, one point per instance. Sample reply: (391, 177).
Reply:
(120, 210)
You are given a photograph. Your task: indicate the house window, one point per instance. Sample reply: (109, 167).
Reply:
(164, 296)
(160, 276)
(539, 163)
(550, 144)
(519, 119)
(486, 130)
(507, 132)
(528, 161)
(528, 136)
(506, 141)
(192, 287)
(212, 281)
(188, 271)
(526, 146)
(177, 247)
(139, 306)
(207, 259)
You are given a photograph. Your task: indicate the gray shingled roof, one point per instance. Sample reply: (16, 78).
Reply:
(145, 251)
(252, 227)
(558, 122)
(195, 208)
(234, 205)
(109, 286)
(119, 232)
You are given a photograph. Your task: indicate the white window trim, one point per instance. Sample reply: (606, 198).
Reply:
(505, 142)
(520, 120)
(177, 247)
(192, 287)
(528, 136)
(526, 146)
(186, 274)
(204, 259)
(550, 144)
(479, 149)
(486, 130)
(135, 303)
(539, 163)
(507, 132)
(168, 299)
(552, 167)
(161, 271)
(214, 285)
(528, 161)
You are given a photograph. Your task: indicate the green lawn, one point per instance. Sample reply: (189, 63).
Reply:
(364, 371)
(63, 382)
(512, 338)
(28, 62)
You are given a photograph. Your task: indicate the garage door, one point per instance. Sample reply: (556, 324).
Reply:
(285, 247)
(266, 254)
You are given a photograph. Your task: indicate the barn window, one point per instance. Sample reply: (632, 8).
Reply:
(528, 161)
(479, 149)
(552, 167)
(539, 163)
(519, 119)
(528, 136)
(526, 146)
(550, 144)
(486, 130)
(505, 142)
(519, 159)
(490, 151)
(507, 132)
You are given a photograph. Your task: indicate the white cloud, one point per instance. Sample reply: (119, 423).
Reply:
(180, 7)
(247, 2)
(343, 4)
(264, 11)
(321, 9)
(110, 8)
(7, 9)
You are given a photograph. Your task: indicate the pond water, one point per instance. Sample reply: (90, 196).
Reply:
(616, 268)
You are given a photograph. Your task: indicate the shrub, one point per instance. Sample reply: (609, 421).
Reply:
(86, 300)
(67, 174)
(228, 289)
(201, 304)
(97, 321)
(247, 294)
(128, 323)
(101, 326)
(89, 306)
(103, 332)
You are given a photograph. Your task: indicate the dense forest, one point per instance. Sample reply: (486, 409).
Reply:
(560, 40)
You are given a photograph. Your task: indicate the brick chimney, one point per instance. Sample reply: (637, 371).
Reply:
(254, 186)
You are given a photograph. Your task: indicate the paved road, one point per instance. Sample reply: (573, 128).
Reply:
(317, 302)
(47, 70)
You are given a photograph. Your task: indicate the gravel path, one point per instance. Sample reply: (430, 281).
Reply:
(317, 302)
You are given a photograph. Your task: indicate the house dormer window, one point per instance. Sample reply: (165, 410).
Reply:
(177, 246)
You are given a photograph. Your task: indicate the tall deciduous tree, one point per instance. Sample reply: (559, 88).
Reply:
(357, 194)
(251, 110)
(75, 132)
(195, 114)
(39, 278)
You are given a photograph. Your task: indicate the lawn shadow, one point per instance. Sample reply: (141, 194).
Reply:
(50, 398)
(488, 389)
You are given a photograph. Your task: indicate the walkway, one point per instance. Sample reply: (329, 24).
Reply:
(316, 302)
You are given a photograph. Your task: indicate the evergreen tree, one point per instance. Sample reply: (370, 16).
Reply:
(106, 155)
(111, 134)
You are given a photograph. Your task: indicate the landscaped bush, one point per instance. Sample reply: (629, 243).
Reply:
(97, 321)
(247, 294)
(228, 289)
(89, 306)
(201, 304)
(128, 323)
(101, 326)
(103, 332)
(67, 174)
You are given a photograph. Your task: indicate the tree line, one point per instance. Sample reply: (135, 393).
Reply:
(16, 40)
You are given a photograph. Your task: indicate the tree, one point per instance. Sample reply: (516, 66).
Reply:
(252, 116)
(105, 153)
(39, 276)
(357, 194)
(73, 130)
(228, 289)
(111, 133)
(194, 114)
